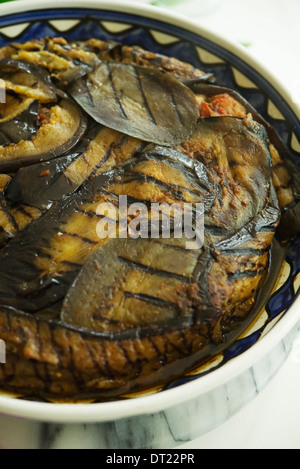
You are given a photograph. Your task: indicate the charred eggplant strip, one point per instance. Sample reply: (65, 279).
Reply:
(109, 292)
(170, 179)
(28, 80)
(215, 100)
(62, 240)
(64, 62)
(61, 68)
(54, 257)
(135, 55)
(24, 215)
(115, 358)
(241, 262)
(13, 219)
(8, 225)
(124, 97)
(110, 149)
(4, 181)
(13, 106)
(67, 62)
(41, 184)
(239, 163)
(105, 145)
(24, 126)
(106, 364)
(66, 126)
(189, 167)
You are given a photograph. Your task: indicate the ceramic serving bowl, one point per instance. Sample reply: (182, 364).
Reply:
(238, 374)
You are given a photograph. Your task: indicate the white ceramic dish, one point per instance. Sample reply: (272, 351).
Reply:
(233, 66)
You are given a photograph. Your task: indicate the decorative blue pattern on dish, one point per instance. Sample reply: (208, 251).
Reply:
(184, 48)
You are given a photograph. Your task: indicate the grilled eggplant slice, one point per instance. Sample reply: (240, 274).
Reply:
(4, 181)
(13, 106)
(236, 152)
(120, 286)
(66, 62)
(215, 101)
(7, 225)
(135, 354)
(135, 55)
(54, 248)
(28, 80)
(125, 98)
(62, 132)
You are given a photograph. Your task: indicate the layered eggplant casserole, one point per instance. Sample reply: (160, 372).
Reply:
(92, 125)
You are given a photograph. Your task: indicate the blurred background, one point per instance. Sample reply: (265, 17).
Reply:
(270, 29)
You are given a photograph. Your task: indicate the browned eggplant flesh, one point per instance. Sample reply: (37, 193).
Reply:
(139, 206)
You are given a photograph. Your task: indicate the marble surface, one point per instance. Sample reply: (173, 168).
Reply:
(268, 415)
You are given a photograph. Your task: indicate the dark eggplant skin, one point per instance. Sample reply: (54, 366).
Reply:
(182, 305)
(47, 236)
(22, 127)
(37, 184)
(120, 285)
(290, 223)
(13, 218)
(29, 79)
(80, 362)
(7, 223)
(205, 303)
(136, 55)
(66, 127)
(100, 150)
(54, 248)
(106, 366)
(67, 63)
(125, 97)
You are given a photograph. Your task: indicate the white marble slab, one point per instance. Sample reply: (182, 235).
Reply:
(172, 428)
